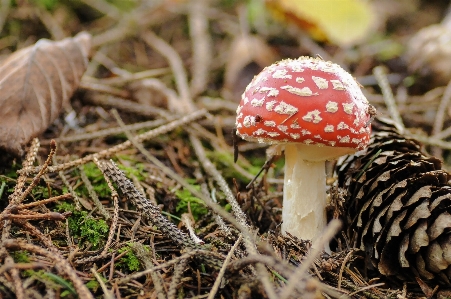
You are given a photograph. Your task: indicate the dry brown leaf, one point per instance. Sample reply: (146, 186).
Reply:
(35, 83)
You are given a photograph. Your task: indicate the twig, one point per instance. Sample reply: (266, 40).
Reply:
(50, 23)
(201, 45)
(104, 7)
(93, 194)
(115, 197)
(215, 287)
(18, 287)
(204, 189)
(128, 78)
(60, 264)
(317, 247)
(214, 173)
(107, 294)
(176, 65)
(440, 116)
(144, 257)
(188, 255)
(29, 160)
(367, 288)
(343, 264)
(215, 207)
(44, 201)
(68, 186)
(120, 147)
(239, 214)
(187, 221)
(40, 173)
(176, 277)
(389, 99)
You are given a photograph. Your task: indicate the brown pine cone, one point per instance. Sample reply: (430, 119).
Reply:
(398, 207)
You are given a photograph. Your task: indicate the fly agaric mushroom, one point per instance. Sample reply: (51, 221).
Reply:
(317, 112)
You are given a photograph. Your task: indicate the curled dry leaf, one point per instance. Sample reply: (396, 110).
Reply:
(35, 83)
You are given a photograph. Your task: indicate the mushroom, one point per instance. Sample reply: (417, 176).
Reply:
(317, 112)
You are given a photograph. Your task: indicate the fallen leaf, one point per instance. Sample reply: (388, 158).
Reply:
(35, 83)
(343, 22)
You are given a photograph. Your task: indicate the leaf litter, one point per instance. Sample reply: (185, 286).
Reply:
(150, 249)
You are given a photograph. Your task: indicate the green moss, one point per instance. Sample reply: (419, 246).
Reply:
(130, 261)
(21, 256)
(198, 208)
(84, 226)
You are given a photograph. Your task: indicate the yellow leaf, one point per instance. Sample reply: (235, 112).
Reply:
(343, 22)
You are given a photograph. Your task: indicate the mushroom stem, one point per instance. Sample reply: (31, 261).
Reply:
(304, 194)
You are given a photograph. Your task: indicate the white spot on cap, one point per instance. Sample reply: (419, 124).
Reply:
(257, 103)
(245, 100)
(303, 92)
(313, 116)
(356, 140)
(273, 134)
(297, 68)
(281, 74)
(337, 85)
(308, 141)
(282, 128)
(249, 121)
(331, 107)
(345, 139)
(239, 125)
(320, 82)
(357, 119)
(347, 107)
(342, 126)
(295, 124)
(269, 123)
(295, 135)
(270, 105)
(270, 91)
(305, 132)
(332, 143)
(329, 128)
(259, 132)
(362, 130)
(300, 79)
(284, 108)
(238, 109)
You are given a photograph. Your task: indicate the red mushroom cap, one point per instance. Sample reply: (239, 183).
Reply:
(306, 100)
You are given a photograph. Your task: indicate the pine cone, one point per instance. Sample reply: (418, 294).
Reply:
(398, 207)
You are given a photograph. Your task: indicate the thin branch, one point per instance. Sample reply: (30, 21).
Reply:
(389, 99)
(215, 287)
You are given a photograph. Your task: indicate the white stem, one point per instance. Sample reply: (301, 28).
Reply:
(304, 194)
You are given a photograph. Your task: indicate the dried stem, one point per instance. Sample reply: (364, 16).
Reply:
(60, 263)
(201, 45)
(215, 287)
(389, 99)
(120, 147)
(317, 247)
(176, 65)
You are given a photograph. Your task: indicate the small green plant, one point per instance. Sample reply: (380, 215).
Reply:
(129, 261)
(84, 226)
(21, 256)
